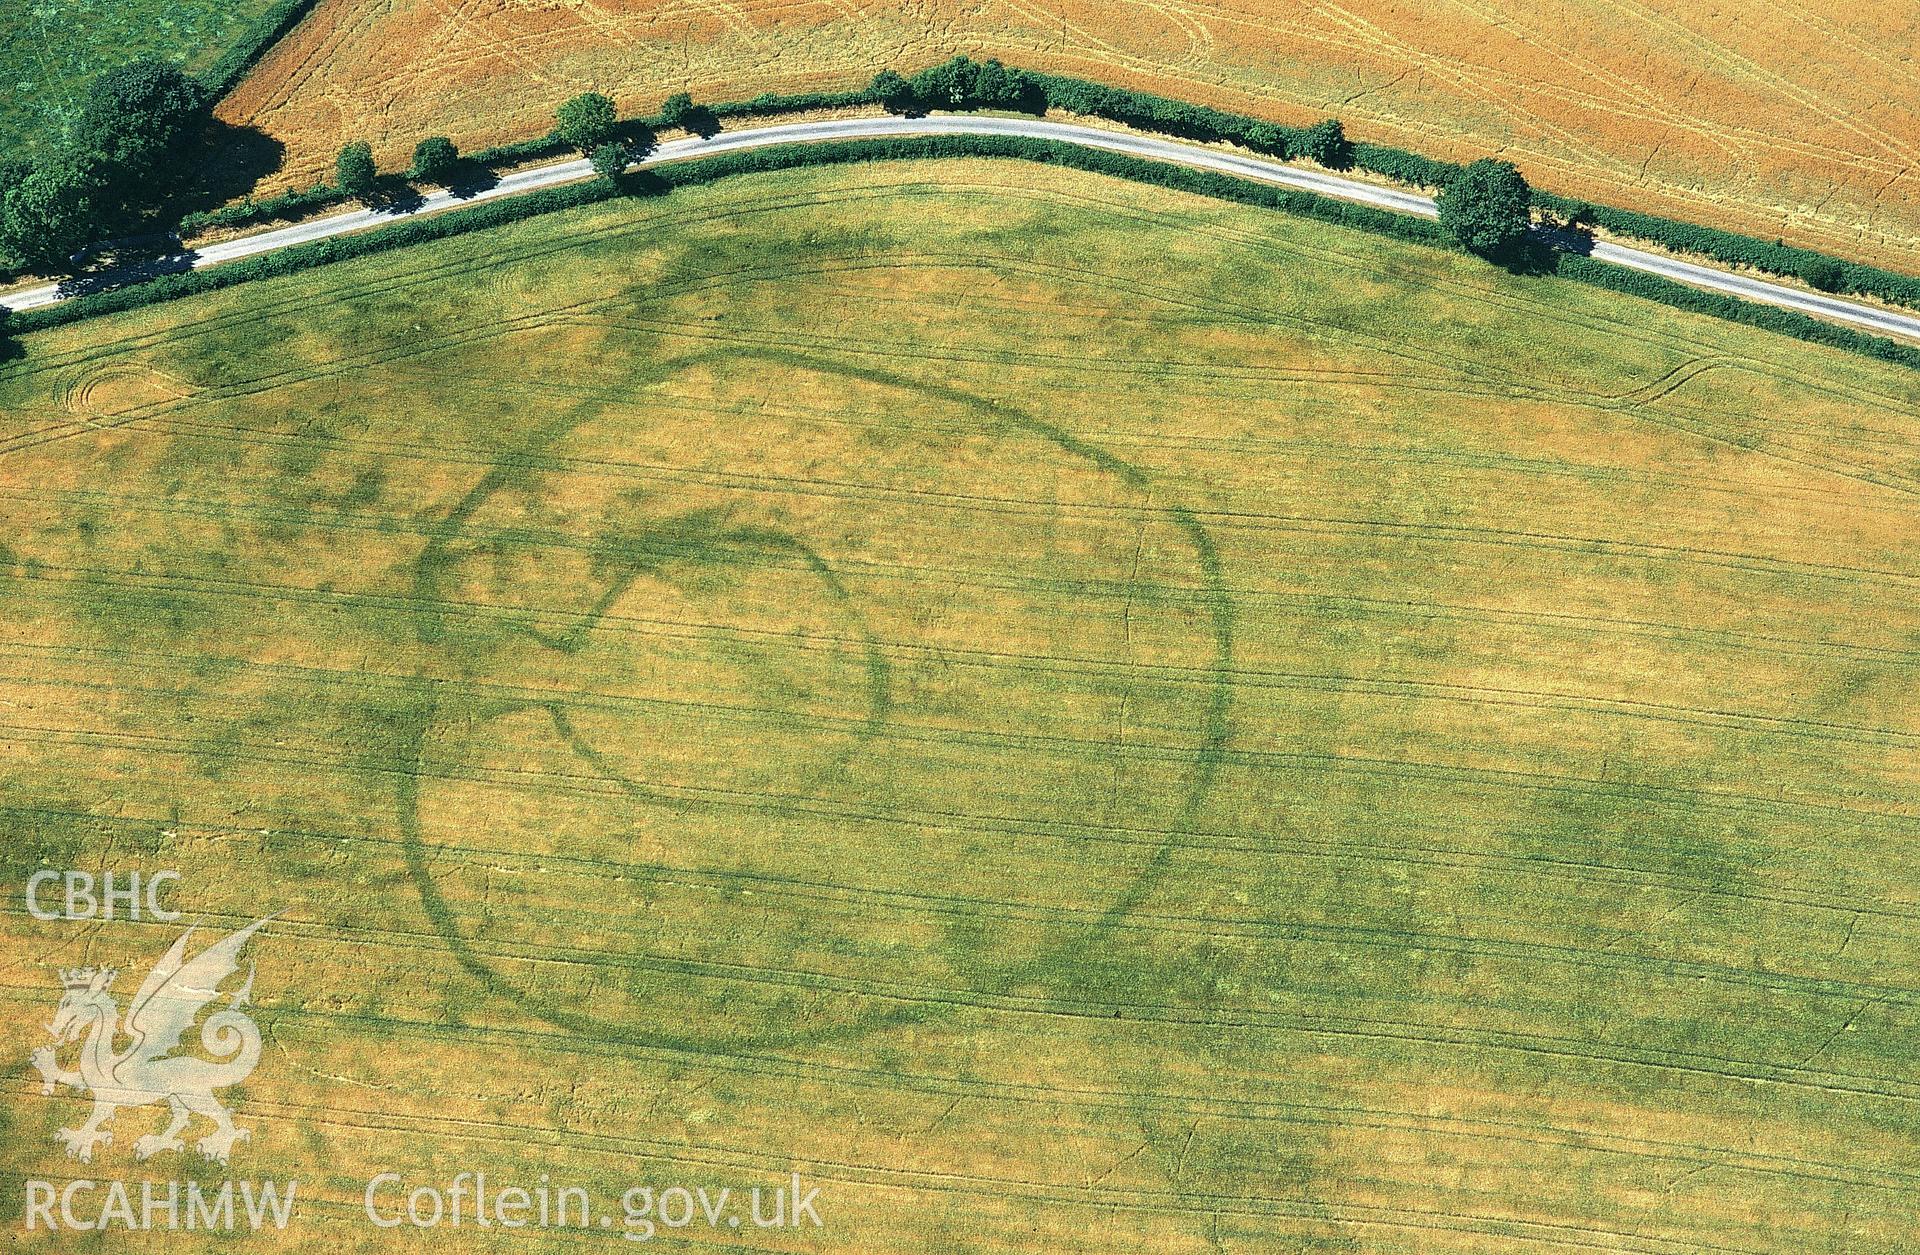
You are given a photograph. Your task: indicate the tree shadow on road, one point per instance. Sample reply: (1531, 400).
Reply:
(701, 121)
(122, 270)
(391, 193)
(468, 179)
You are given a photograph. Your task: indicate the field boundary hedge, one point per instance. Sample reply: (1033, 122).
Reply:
(1149, 112)
(269, 29)
(291, 204)
(661, 179)
(957, 84)
(1819, 270)
(1822, 271)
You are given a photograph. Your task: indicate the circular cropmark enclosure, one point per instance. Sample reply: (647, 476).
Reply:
(712, 698)
(1071, 715)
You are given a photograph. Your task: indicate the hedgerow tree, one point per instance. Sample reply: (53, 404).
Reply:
(997, 87)
(1326, 142)
(1487, 207)
(434, 159)
(963, 83)
(586, 121)
(51, 213)
(609, 160)
(1265, 137)
(355, 169)
(676, 109)
(1824, 273)
(944, 86)
(138, 115)
(121, 155)
(894, 93)
(12, 171)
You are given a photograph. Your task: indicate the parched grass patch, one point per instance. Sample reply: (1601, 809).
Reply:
(1075, 716)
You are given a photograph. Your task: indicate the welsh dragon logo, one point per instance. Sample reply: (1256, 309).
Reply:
(151, 1069)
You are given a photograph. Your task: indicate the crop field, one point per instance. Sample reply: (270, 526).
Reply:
(51, 49)
(1712, 113)
(1072, 716)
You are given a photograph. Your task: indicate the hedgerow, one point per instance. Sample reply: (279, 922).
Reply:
(1732, 309)
(935, 89)
(232, 65)
(318, 253)
(290, 205)
(1404, 167)
(1830, 274)
(964, 84)
(250, 212)
(657, 180)
(768, 104)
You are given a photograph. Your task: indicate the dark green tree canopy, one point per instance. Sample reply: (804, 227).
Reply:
(139, 114)
(1825, 273)
(1488, 207)
(1326, 142)
(586, 121)
(675, 110)
(610, 160)
(1265, 137)
(434, 158)
(963, 83)
(893, 92)
(355, 168)
(127, 143)
(49, 215)
(12, 171)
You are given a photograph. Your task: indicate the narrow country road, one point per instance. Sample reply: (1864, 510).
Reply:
(1868, 317)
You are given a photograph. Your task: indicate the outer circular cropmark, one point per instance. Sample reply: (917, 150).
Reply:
(721, 706)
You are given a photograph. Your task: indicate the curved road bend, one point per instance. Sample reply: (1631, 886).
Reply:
(1870, 317)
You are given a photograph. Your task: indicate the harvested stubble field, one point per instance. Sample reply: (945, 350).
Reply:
(1074, 716)
(1772, 117)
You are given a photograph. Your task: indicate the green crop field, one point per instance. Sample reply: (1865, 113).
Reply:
(51, 49)
(1072, 716)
